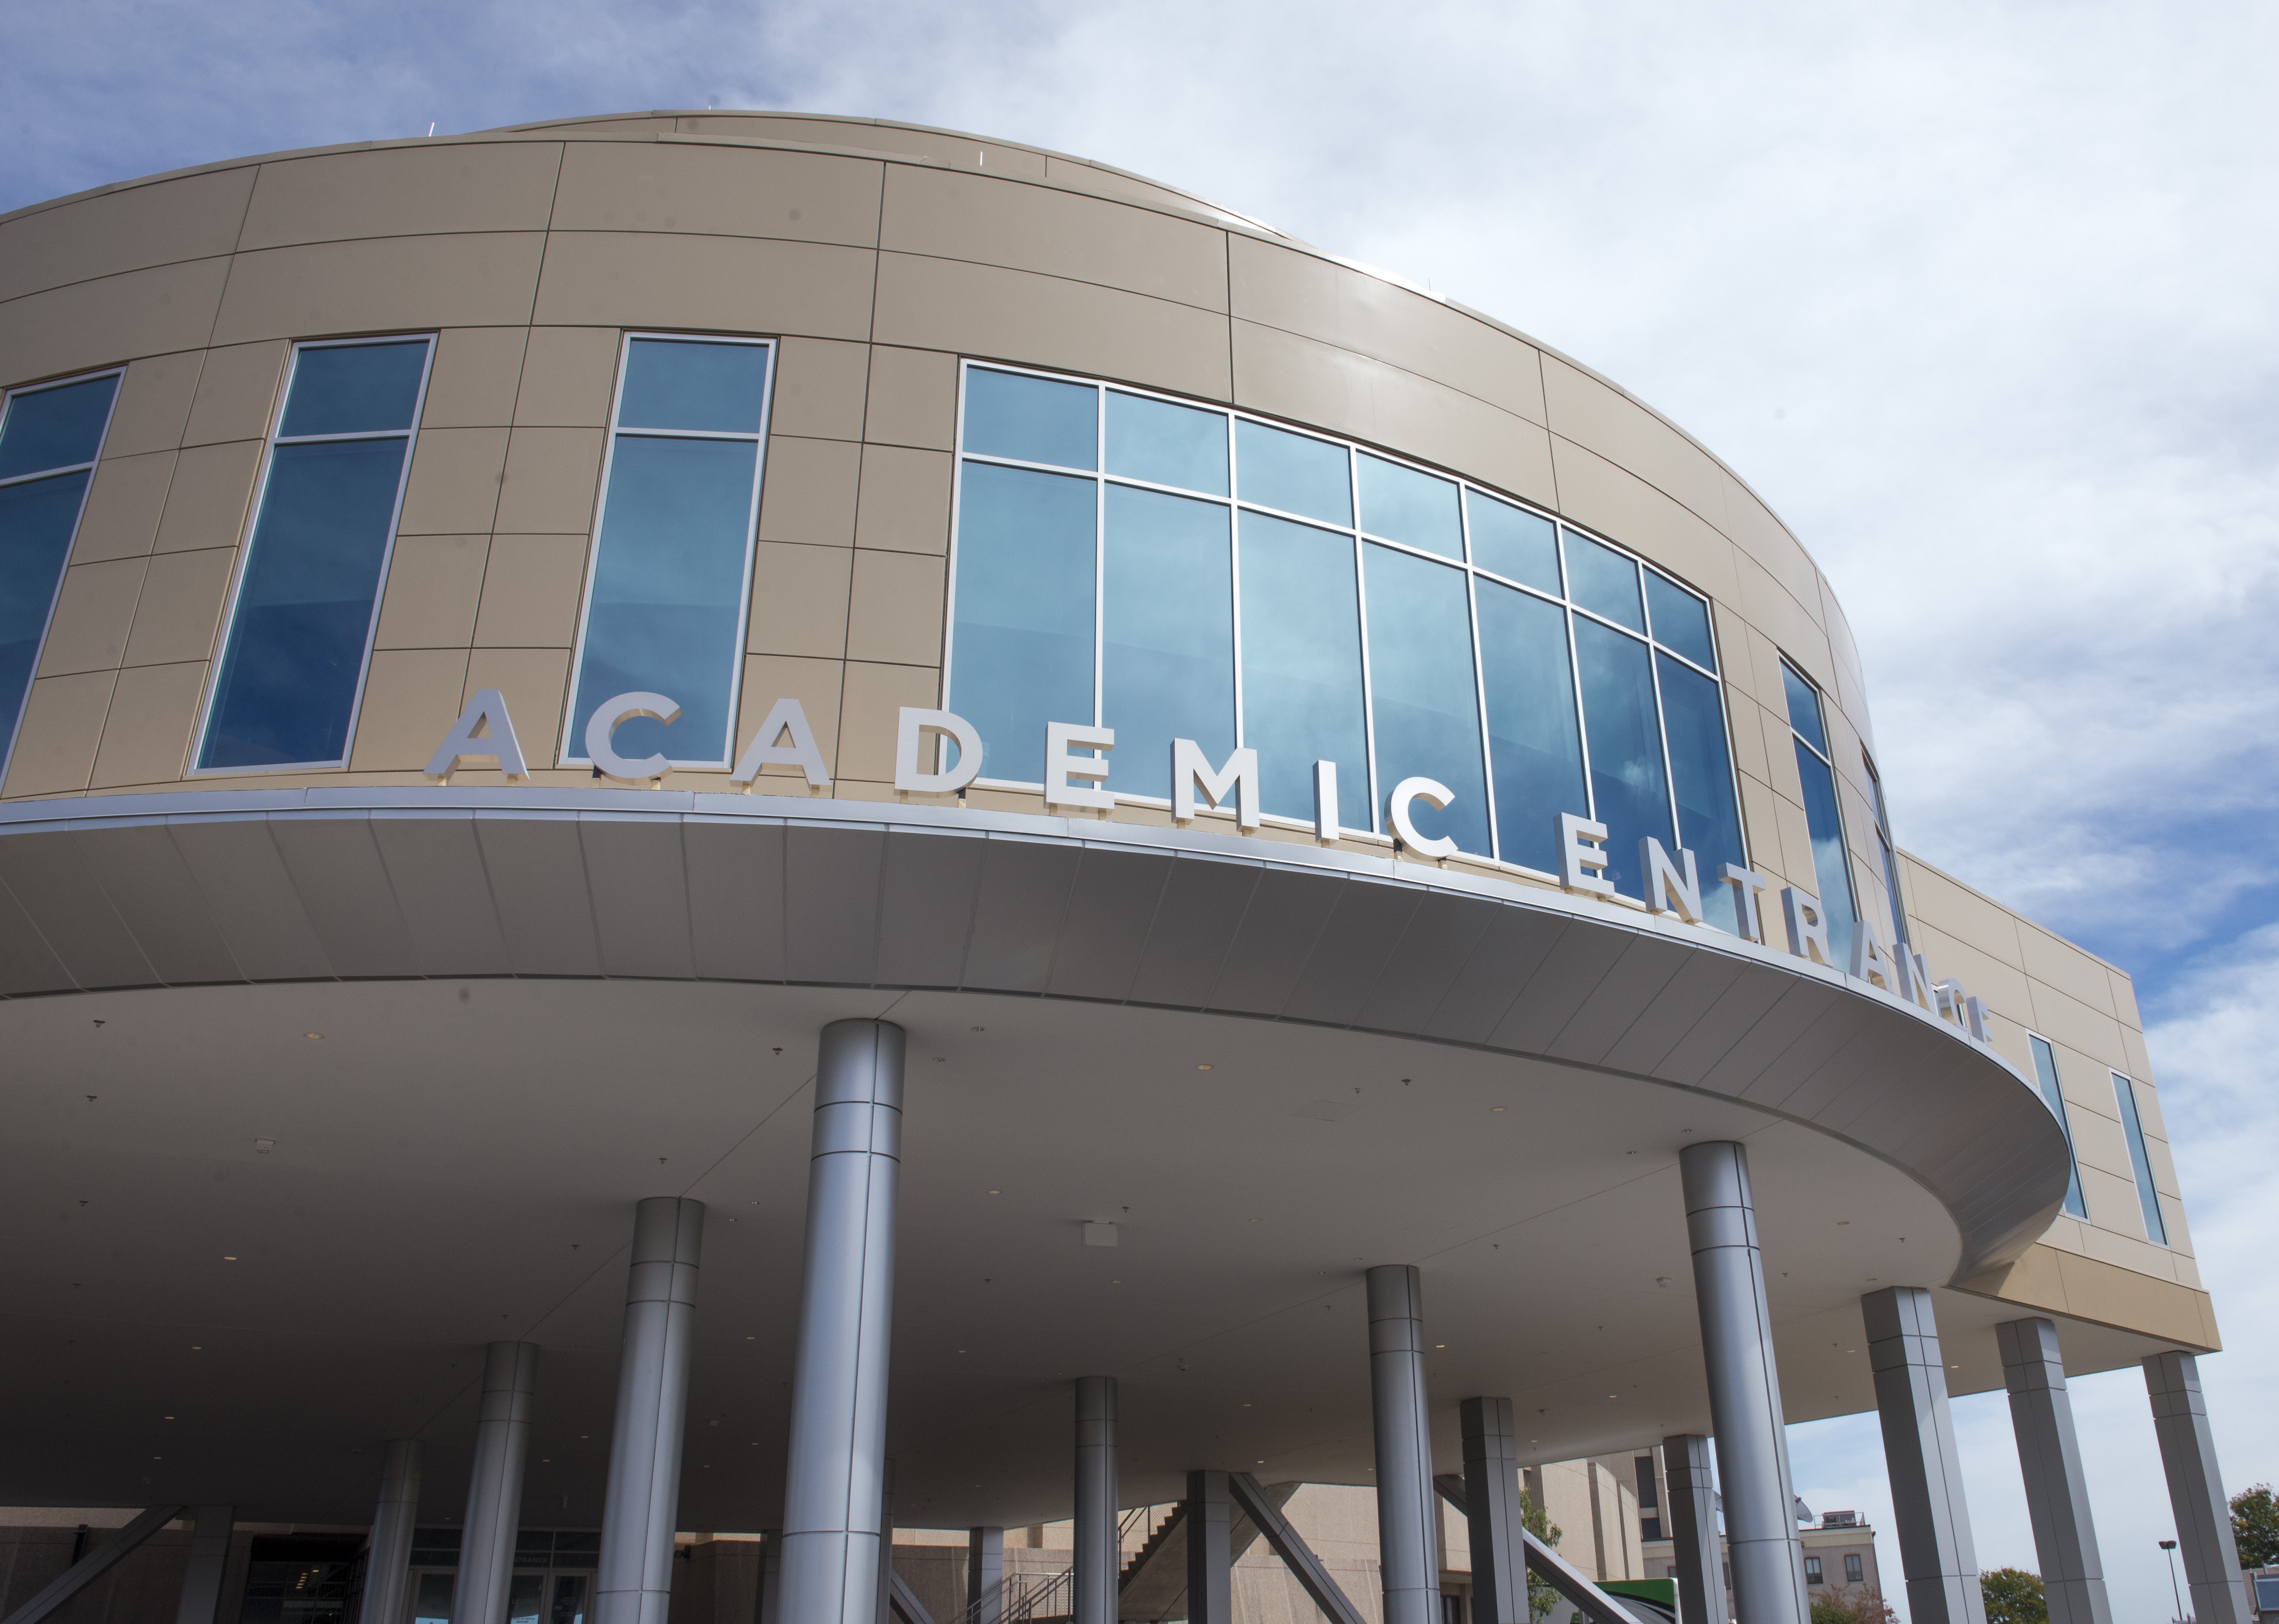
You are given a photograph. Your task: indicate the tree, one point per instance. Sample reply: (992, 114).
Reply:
(2255, 1526)
(2014, 1596)
(1857, 1605)
(1541, 1599)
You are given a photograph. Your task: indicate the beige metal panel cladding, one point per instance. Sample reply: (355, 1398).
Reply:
(402, 191)
(157, 223)
(723, 191)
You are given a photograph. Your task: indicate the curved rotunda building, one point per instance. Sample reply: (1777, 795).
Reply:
(735, 822)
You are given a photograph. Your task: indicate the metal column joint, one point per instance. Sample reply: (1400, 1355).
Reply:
(1098, 1561)
(2220, 1594)
(2049, 1459)
(1408, 1535)
(634, 1584)
(1936, 1553)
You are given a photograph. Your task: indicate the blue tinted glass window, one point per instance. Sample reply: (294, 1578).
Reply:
(1166, 444)
(2139, 1161)
(37, 519)
(1681, 621)
(1403, 505)
(677, 384)
(294, 656)
(1292, 472)
(1803, 709)
(1301, 693)
(2045, 1072)
(353, 388)
(1701, 776)
(60, 428)
(1828, 863)
(1031, 420)
(1023, 637)
(1167, 646)
(1627, 781)
(668, 594)
(1421, 683)
(1518, 545)
(1604, 582)
(1532, 738)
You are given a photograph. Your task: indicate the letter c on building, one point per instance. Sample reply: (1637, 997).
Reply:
(604, 722)
(1436, 795)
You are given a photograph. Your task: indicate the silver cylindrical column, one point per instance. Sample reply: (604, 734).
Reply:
(1745, 1406)
(1407, 1531)
(388, 1570)
(1098, 1562)
(634, 1585)
(835, 1481)
(494, 1489)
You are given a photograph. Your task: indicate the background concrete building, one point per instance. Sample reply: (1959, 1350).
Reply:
(482, 613)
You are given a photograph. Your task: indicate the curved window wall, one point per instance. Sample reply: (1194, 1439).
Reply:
(1170, 571)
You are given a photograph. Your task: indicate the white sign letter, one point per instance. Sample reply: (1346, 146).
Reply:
(1435, 796)
(1916, 985)
(1583, 846)
(482, 729)
(1191, 770)
(1060, 766)
(766, 751)
(911, 734)
(1671, 887)
(1869, 961)
(1747, 886)
(604, 722)
(1808, 926)
(1326, 803)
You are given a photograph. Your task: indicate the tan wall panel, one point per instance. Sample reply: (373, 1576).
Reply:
(123, 505)
(1761, 818)
(93, 613)
(1001, 222)
(819, 388)
(895, 616)
(412, 697)
(905, 501)
(154, 404)
(807, 493)
(913, 399)
(1941, 901)
(388, 285)
(724, 191)
(1757, 532)
(192, 217)
(454, 488)
(237, 392)
(533, 683)
(1619, 505)
(2070, 1021)
(207, 501)
(1047, 322)
(146, 739)
(1745, 727)
(2066, 967)
(2003, 987)
(181, 607)
(531, 587)
(1779, 738)
(1303, 294)
(1602, 419)
(1350, 393)
(568, 377)
(815, 684)
(799, 600)
(716, 284)
(2124, 992)
(1795, 849)
(404, 191)
(54, 743)
(89, 325)
(476, 373)
(941, 146)
(875, 695)
(550, 477)
(434, 584)
(1788, 622)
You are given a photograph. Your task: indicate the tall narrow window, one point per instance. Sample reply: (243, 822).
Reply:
(1890, 852)
(1822, 820)
(1630, 791)
(50, 438)
(2045, 1072)
(1301, 690)
(666, 594)
(308, 591)
(2139, 1162)
(1532, 736)
(1426, 693)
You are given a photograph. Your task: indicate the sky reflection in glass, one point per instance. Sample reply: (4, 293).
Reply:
(1627, 781)
(1167, 648)
(1301, 691)
(1166, 444)
(1604, 582)
(1031, 419)
(1292, 472)
(1404, 505)
(1421, 682)
(1518, 545)
(1702, 777)
(1022, 643)
(1532, 737)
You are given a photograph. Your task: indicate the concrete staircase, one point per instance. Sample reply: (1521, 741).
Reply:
(1153, 1587)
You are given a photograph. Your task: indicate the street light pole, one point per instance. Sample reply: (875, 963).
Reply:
(2169, 1545)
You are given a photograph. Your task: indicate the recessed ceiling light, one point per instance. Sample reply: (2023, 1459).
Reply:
(1498, 1110)
(170, 1418)
(1202, 1068)
(314, 1037)
(996, 1192)
(229, 1257)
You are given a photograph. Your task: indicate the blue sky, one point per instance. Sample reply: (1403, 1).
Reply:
(1979, 297)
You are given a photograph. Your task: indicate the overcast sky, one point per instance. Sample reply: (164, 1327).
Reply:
(1979, 297)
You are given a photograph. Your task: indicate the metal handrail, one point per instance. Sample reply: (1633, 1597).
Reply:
(1020, 1598)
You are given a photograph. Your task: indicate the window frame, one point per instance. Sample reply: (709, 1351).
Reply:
(2075, 1191)
(570, 751)
(430, 337)
(2140, 1159)
(8, 398)
(1890, 848)
(1360, 537)
(1835, 779)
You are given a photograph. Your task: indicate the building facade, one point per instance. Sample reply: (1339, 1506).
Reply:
(771, 824)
